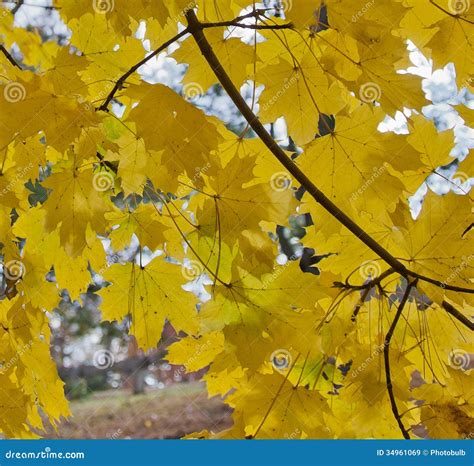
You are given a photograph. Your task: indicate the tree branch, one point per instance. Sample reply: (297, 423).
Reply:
(9, 57)
(359, 305)
(386, 354)
(450, 309)
(233, 23)
(439, 284)
(196, 29)
(17, 6)
(121, 81)
(236, 22)
(368, 285)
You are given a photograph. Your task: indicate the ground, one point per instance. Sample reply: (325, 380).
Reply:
(172, 412)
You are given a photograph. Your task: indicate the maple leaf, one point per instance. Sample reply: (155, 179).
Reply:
(149, 294)
(286, 256)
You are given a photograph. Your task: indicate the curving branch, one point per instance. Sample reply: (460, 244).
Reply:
(386, 354)
(121, 81)
(119, 84)
(196, 29)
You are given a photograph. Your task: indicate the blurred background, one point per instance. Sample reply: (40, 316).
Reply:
(116, 390)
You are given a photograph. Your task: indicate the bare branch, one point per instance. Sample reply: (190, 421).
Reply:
(196, 29)
(236, 24)
(233, 23)
(9, 57)
(121, 81)
(439, 284)
(17, 6)
(386, 354)
(450, 309)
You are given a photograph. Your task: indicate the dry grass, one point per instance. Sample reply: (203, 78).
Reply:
(173, 412)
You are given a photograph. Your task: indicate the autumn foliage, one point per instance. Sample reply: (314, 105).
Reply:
(373, 340)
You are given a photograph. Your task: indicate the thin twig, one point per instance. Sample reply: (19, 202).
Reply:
(233, 23)
(386, 354)
(440, 284)
(9, 57)
(121, 81)
(359, 305)
(247, 26)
